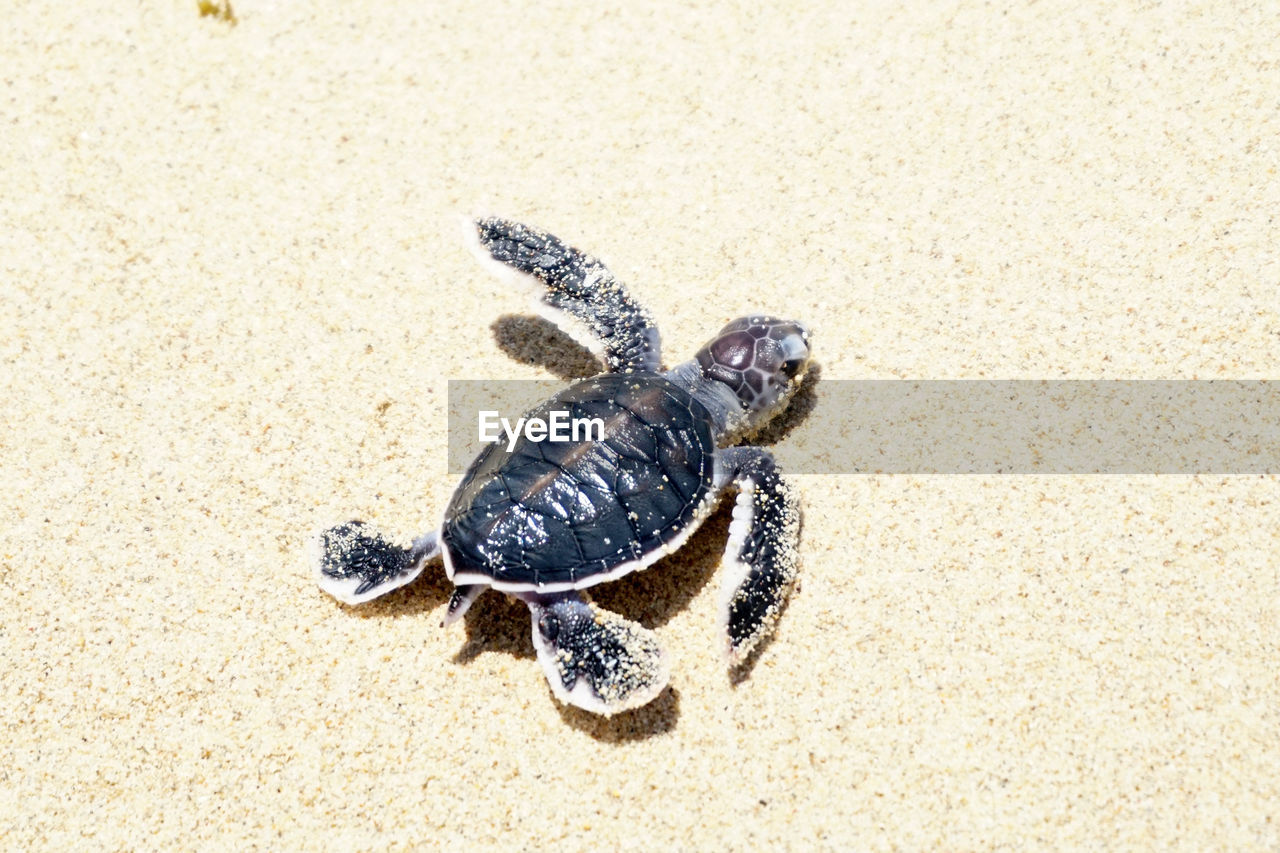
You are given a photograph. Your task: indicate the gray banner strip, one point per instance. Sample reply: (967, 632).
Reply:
(1222, 427)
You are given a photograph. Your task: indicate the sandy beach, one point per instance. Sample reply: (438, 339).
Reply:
(234, 290)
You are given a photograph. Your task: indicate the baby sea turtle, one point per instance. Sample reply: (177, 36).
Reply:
(545, 521)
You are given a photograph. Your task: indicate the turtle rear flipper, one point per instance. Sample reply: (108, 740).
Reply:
(460, 602)
(595, 659)
(761, 555)
(356, 562)
(601, 315)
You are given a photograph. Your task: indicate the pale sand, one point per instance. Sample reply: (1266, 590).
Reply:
(234, 290)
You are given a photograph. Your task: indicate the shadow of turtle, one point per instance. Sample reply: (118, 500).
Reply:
(654, 596)
(655, 718)
(539, 342)
(496, 623)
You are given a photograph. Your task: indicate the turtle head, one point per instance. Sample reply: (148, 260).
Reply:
(762, 360)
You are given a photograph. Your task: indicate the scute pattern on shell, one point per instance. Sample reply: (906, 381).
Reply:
(557, 513)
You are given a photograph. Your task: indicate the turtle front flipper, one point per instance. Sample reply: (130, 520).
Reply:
(761, 555)
(601, 315)
(356, 562)
(595, 659)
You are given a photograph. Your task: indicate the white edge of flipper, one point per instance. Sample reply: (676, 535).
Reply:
(735, 572)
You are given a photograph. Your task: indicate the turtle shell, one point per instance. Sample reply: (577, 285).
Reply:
(561, 515)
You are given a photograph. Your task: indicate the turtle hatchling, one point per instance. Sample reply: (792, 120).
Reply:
(544, 521)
